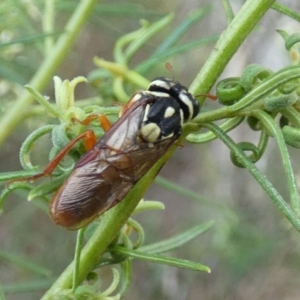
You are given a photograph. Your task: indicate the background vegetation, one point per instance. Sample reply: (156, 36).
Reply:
(252, 250)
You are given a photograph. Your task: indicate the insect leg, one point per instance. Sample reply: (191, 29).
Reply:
(90, 140)
(103, 120)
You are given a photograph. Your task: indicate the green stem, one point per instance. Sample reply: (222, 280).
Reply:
(48, 25)
(286, 11)
(292, 114)
(201, 138)
(273, 82)
(51, 63)
(240, 27)
(149, 32)
(80, 235)
(51, 109)
(228, 11)
(111, 223)
(252, 99)
(275, 131)
(259, 177)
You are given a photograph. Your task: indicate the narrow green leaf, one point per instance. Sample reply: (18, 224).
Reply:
(7, 190)
(50, 108)
(25, 263)
(149, 32)
(130, 10)
(176, 50)
(180, 190)
(79, 242)
(16, 174)
(27, 145)
(47, 188)
(113, 285)
(149, 205)
(30, 286)
(2, 296)
(177, 240)
(201, 138)
(274, 129)
(286, 11)
(175, 35)
(30, 39)
(228, 11)
(165, 260)
(10, 73)
(126, 266)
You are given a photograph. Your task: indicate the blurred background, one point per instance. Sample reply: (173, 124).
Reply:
(252, 250)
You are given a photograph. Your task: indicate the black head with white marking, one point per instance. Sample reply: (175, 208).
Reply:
(171, 107)
(188, 104)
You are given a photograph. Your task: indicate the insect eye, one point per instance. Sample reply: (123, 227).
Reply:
(189, 105)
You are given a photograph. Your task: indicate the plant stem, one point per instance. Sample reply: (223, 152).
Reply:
(231, 39)
(48, 25)
(51, 63)
(258, 176)
(80, 236)
(274, 129)
(111, 223)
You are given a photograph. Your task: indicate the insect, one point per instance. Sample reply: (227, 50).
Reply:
(148, 125)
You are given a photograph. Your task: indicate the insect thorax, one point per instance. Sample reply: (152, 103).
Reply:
(171, 105)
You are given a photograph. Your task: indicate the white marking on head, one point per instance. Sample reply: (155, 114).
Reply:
(160, 83)
(157, 94)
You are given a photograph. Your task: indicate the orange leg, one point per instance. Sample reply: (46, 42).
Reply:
(104, 122)
(90, 140)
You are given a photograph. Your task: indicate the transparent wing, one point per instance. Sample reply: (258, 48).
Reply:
(104, 175)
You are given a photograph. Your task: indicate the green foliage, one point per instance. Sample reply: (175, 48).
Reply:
(259, 95)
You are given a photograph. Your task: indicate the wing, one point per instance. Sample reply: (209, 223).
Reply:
(105, 175)
(89, 191)
(94, 187)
